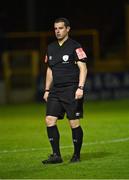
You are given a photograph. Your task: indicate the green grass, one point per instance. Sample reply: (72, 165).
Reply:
(105, 151)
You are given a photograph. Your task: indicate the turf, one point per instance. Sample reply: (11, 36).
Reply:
(105, 151)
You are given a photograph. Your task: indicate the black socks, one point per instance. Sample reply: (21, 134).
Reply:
(54, 137)
(77, 135)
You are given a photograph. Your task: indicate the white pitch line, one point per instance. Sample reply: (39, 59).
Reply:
(64, 147)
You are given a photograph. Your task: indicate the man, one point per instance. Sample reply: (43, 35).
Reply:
(65, 79)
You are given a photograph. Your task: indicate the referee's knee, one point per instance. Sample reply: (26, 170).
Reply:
(74, 123)
(50, 121)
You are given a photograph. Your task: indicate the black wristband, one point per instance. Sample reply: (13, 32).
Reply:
(81, 87)
(46, 90)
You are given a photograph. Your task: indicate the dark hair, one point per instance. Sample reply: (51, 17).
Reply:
(62, 19)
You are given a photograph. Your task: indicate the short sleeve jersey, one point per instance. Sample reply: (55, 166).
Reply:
(63, 61)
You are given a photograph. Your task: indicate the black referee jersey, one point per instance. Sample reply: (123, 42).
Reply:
(62, 61)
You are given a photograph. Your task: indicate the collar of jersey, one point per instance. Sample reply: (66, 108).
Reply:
(63, 42)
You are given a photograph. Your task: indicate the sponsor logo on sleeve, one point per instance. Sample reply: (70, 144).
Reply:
(80, 53)
(50, 58)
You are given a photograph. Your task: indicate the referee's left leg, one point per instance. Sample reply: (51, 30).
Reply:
(77, 136)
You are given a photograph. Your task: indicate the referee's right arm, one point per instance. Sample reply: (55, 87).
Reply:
(48, 83)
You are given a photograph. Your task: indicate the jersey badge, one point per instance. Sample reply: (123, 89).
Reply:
(65, 58)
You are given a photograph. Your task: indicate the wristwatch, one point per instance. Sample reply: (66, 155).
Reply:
(81, 87)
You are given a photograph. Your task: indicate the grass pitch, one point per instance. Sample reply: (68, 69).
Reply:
(105, 151)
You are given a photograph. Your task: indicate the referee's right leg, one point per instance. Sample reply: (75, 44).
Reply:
(53, 134)
(54, 138)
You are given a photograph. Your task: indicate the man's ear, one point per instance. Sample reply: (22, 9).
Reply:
(68, 28)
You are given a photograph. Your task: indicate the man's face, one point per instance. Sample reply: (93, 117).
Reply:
(61, 31)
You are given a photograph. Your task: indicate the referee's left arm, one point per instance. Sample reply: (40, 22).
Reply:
(82, 78)
(83, 73)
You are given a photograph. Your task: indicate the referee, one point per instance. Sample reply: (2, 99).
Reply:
(65, 78)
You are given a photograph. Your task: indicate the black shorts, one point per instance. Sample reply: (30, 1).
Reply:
(62, 100)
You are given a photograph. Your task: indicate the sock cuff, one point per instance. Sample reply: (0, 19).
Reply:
(51, 127)
(74, 129)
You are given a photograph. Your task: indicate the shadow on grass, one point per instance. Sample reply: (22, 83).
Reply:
(91, 155)
(94, 155)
